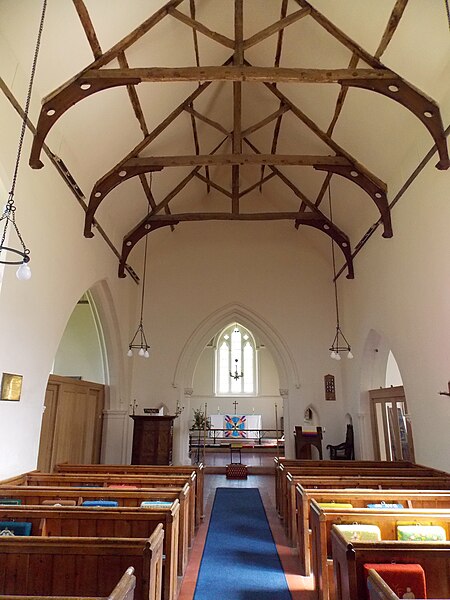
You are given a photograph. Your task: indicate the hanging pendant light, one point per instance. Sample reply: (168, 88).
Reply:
(139, 340)
(8, 219)
(340, 343)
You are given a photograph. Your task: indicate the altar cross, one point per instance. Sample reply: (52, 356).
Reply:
(235, 405)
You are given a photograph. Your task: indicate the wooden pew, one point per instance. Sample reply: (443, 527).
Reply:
(30, 495)
(348, 471)
(379, 589)
(64, 566)
(349, 560)
(105, 480)
(147, 470)
(431, 499)
(363, 481)
(124, 590)
(100, 522)
(322, 520)
(283, 465)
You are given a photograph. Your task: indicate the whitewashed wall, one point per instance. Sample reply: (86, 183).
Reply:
(402, 292)
(34, 314)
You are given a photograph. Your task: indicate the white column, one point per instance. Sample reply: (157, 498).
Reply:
(115, 437)
(181, 430)
(288, 439)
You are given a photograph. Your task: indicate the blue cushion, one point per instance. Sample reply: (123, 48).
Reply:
(384, 505)
(14, 528)
(155, 503)
(10, 501)
(100, 503)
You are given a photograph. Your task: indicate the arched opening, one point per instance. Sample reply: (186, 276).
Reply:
(194, 374)
(385, 431)
(81, 352)
(83, 386)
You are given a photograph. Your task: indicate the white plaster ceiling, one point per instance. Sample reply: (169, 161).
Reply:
(98, 132)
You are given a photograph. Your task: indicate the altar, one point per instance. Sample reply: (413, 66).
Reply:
(236, 426)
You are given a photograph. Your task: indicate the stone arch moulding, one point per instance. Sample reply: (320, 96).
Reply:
(285, 364)
(373, 375)
(106, 317)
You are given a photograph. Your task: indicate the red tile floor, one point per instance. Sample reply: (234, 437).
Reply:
(301, 587)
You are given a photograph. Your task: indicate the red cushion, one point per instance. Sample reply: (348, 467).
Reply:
(400, 577)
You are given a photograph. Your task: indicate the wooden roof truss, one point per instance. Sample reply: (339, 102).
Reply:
(237, 70)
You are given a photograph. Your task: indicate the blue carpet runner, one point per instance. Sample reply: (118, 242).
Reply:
(240, 560)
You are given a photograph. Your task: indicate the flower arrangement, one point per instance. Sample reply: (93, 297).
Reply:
(200, 422)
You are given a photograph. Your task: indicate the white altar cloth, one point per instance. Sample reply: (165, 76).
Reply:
(237, 426)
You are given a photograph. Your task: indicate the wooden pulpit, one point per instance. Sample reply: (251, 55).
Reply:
(152, 440)
(305, 439)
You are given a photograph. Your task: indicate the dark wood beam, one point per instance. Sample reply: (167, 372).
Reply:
(88, 27)
(112, 179)
(191, 160)
(275, 28)
(197, 26)
(134, 99)
(137, 75)
(394, 20)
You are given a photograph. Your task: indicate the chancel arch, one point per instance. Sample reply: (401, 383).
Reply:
(187, 369)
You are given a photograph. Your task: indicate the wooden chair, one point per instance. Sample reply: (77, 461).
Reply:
(346, 450)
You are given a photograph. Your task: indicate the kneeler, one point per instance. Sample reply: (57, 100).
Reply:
(11, 528)
(406, 580)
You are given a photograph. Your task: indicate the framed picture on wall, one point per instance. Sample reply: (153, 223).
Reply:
(11, 387)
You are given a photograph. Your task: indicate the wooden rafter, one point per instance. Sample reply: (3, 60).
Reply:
(112, 178)
(377, 78)
(88, 28)
(381, 80)
(213, 35)
(394, 20)
(275, 28)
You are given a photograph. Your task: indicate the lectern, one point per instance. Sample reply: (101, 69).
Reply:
(152, 440)
(304, 439)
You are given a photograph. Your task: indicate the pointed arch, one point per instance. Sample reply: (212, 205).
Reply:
(218, 320)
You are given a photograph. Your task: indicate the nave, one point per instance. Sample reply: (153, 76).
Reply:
(300, 587)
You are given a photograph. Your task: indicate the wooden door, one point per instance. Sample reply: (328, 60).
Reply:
(391, 425)
(72, 423)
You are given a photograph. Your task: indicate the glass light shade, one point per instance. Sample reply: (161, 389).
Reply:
(130, 352)
(146, 354)
(23, 273)
(141, 352)
(333, 355)
(338, 356)
(349, 355)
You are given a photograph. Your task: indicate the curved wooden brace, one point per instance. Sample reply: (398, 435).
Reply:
(132, 239)
(377, 193)
(335, 234)
(423, 107)
(125, 171)
(312, 219)
(105, 185)
(58, 103)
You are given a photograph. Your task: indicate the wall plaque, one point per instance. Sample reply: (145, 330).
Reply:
(11, 387)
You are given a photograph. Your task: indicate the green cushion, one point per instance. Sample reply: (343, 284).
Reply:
(421, 533)
(356, 532)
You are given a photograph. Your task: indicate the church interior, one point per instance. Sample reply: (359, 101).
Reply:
(224, 283)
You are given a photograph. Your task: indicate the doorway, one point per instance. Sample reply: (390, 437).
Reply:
(391, 426)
